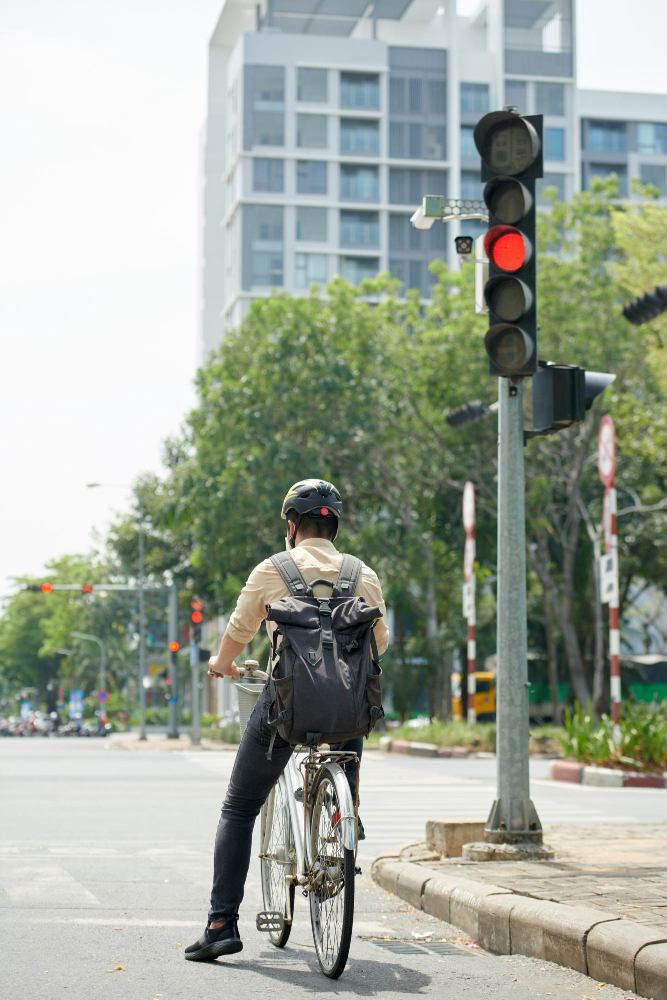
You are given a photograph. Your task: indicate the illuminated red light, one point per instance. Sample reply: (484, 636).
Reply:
(196, 617)
(174, 647)
(505, 247)
(195, 604)
(47, 588)
(87, 588)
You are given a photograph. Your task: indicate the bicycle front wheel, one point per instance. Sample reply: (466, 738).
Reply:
(278, 861)
(332, 879)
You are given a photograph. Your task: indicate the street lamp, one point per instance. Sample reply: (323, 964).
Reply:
(142, 614)
(103, 675)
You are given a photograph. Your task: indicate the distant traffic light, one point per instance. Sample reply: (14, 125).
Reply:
(510, 146)
(647, 307)
(174, 647)
(196, 618)
(44, 588)
(86, 588)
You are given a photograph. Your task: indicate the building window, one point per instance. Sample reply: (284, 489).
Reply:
(355, 269)
(437, 97)
(551, 181)
(474, 98)
(471, 186)
(310, 269)
(606, 170)
(404, 237)
(607, 137)
(360, 90)
(550, 98)
(468, 148)
(267, 175)
(554, 143)
(651, 138)
(311, 131)
(358, 183)
(311, 86)
(266, 268)
(359, 136)
(655, 174)
(311, 177)
(265, 104)
(516, 95)
(263, 229)
(407, 186)
(415, 141)
(311, 224)
(359, 229)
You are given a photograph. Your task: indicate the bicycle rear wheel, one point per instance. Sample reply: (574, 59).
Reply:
(332, 869)
(277, 861)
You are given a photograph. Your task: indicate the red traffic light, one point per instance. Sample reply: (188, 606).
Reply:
(506, 248)
(46, 588)
(196, 617)
(196, 604)
(86, 588)
(174, 647)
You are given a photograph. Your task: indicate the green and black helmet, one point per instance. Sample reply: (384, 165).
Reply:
(315, 497)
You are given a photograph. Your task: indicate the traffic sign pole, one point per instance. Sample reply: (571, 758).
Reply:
(606, 460)
(469, 595)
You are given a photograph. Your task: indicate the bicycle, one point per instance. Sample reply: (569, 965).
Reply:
(316, 852)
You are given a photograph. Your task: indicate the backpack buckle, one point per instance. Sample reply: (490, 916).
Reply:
(327, 637)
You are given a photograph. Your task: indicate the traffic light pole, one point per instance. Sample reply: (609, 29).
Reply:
(142, 634)
(195, 732)
(513, 819)
(172, 637)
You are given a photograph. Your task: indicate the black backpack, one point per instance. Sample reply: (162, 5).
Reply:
(325, 676)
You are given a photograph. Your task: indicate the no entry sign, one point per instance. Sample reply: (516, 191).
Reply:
(607, 451)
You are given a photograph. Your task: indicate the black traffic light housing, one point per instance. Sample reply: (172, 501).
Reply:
(562, 394)
(647, 307)
(510, 147)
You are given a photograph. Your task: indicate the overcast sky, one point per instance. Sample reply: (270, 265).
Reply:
(102, 104)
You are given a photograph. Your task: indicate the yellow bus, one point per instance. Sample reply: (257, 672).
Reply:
(485, 696)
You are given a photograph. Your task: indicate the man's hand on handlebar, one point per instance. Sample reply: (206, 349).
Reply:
(215, 669)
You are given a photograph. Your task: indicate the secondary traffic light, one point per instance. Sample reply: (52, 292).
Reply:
(510, 146)
(562, 394)
(44, 588)
(647, 307)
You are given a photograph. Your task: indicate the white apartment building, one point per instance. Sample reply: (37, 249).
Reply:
(328, 120)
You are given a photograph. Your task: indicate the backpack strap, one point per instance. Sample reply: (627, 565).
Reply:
(348, 577)
(291, 575)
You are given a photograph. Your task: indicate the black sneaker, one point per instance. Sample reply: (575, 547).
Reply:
(212, 944)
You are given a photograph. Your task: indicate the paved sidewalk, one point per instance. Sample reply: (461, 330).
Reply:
(600, 906)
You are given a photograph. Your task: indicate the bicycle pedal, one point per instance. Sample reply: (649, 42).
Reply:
(268, 921)
(357, 870)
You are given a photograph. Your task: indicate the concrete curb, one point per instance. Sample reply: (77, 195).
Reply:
(608, 777)
(414, 749)
(598, 944)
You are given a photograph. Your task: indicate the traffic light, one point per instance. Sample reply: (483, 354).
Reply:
(37, 588)
(196, 618)
(86, 588)
(562, 394)
(510, 146)
(174, 647)
(647, 307)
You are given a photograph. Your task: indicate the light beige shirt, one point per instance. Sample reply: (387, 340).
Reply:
(316, 558)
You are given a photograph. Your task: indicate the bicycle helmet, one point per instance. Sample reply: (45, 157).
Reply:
(315, 497)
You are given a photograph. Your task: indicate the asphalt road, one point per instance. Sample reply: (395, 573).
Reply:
(105, 866)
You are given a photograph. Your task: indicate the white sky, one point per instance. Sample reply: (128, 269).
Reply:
(102, 104)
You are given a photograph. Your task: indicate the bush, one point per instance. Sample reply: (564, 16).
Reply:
(641, 741)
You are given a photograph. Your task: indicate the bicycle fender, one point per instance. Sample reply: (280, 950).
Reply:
(348, 822)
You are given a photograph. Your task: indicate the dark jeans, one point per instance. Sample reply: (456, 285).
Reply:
(253, 777)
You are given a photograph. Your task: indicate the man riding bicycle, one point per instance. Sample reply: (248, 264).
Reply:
(312, 509)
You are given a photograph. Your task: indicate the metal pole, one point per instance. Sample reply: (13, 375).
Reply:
(513, 817)
(142, 633)
(172, 731)
(194, 670)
